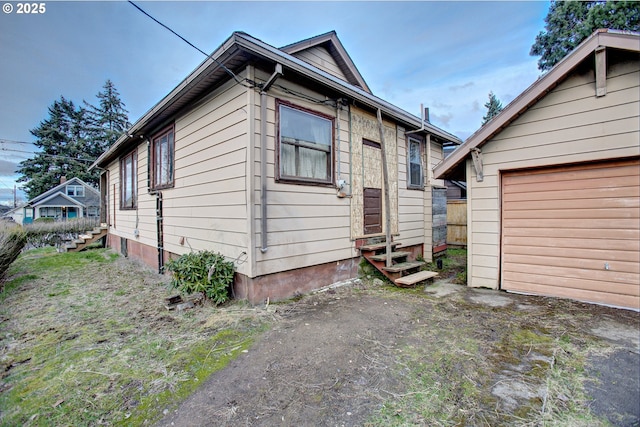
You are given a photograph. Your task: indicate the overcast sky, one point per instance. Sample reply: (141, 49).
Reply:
(446, 55)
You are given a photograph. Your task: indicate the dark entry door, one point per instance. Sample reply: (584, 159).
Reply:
(372, 210)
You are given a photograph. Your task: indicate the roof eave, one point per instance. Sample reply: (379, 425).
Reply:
(326, 79)
(538, 89)
(250, 44)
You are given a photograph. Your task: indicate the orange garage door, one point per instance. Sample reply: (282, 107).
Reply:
(573, 232)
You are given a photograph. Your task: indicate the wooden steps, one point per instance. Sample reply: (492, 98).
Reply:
(402, 272)
(414, 278)
(87, 238)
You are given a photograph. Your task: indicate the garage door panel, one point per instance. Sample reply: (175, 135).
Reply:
(573, 232)
(544, 261)
(586, 203)
(576, 184)
(617, 300)
(625, 192)
(598, 225)
(601, 213)
(565, 274)
(569, 283)
(561, 252)
(611, 234)
(573, 173)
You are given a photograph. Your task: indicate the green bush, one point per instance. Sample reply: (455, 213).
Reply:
(205, 272)
(12, 241)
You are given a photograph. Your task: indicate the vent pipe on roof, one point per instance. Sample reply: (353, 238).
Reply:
(424, 112)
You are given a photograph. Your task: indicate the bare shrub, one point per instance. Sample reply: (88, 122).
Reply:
(40, 234)
(12, 241)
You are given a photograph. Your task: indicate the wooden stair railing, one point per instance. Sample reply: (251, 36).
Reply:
(403, 272)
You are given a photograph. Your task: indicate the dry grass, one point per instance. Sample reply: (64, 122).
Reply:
(86, 340)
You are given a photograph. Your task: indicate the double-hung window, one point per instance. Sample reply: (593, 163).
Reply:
(162, 150)
(75, 190)
(305, 149)
(415, 174)
(129, 181)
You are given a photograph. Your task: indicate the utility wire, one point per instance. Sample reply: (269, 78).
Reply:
(228, 71)
(48, 155)
(9, 141)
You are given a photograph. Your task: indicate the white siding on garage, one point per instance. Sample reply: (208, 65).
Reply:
(569, 125)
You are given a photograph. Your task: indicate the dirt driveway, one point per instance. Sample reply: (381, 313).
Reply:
(368, 354)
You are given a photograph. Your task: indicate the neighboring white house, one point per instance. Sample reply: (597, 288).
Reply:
(272, 157)
(553, 181)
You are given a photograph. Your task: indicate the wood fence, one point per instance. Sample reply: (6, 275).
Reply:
(457, 222)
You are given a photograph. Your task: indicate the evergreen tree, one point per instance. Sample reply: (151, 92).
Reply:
(71, 138)
(62, 139)
(108, 120)
(493, 106)
(568, 23)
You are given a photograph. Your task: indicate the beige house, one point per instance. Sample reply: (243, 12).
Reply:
(553, 181)
(271, 157)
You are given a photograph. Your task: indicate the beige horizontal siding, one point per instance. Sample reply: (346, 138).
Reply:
(320, 57)
(568, 125)
(307, 225)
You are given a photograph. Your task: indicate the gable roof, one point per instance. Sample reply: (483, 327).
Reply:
(623, 40)
(59, 198)
(59, 188)
(332, 44)
(239, 49)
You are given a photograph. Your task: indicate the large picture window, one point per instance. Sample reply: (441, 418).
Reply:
(414, 164)
(129, 181)
(305, 145)
(162, 149)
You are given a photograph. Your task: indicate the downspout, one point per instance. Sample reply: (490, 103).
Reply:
(263, 155)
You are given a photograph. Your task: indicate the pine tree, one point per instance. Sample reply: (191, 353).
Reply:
(62, 139)
(568, 23)
(72, 138)
(108, 120)
(493, 106)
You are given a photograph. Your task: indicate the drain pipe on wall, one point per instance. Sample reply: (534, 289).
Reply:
(263, 155)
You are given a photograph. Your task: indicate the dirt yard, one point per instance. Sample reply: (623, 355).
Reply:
(367, 354)
(85, 339)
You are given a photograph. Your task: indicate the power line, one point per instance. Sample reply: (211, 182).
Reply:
(9, 141)
(228, 71)
(49, 155)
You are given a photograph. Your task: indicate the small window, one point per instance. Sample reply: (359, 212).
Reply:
(415, 178)
(305, 145)
(129, 181)
(75, 190)
(92, 211)
(162, 151)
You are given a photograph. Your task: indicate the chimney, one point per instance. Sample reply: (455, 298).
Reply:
(426, 115)
(63, 179)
